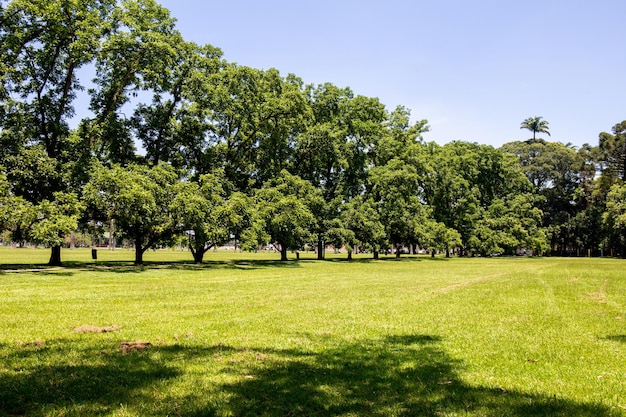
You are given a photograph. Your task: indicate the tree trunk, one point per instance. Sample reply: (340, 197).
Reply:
(55, 256)
(198, 256)
(397, 251)
(447, 252)
(138, 255)
(283, 252)
(349, 255)
(320, 249)
(375, 254)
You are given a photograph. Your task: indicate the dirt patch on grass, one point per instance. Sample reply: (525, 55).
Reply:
(129, 347)
(96, 329)
(36, 343)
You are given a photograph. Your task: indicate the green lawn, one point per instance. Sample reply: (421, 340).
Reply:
(244, 335)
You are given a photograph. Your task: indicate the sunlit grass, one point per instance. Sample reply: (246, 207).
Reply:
(245, 335)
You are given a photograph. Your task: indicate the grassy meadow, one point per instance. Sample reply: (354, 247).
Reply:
(245, 335)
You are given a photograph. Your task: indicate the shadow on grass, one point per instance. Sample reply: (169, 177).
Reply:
(58, 377)
(125, 267)
(617, 338)
(404, 375)
(401, 375)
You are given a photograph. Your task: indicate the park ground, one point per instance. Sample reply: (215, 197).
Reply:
(244, 334)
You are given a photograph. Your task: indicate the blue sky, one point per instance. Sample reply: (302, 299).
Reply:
(473, 69)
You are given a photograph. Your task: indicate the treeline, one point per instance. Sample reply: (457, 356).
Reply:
(182, 144)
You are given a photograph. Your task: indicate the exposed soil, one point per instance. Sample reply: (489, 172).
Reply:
(129, 347)
(96, 329)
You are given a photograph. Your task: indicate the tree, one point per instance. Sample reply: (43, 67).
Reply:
(614, 219)
(613, 152)
(558, 172)
(138, 52)
(200, 211)
(161, 126)
(283, 207)
(466, 179)
(140, 199)
(43, 47)
(536, 125)
(438, 237)
(320, 156)
(361, 217)
(55, 220)
(508, 225)
(395, 178)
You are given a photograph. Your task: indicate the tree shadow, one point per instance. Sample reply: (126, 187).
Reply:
(400, 375)
(94, 381)
(617, 338)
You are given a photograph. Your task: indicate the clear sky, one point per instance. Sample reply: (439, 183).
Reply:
(473, 69)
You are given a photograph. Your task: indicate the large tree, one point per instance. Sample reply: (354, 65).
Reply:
(139, 54)
(141, 200)
(43, 46)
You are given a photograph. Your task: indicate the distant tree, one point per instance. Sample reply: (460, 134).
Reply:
(200, 212)
(536, 125)
(438, 237)
(54, 221)
(614, 219)
(557, 172)
(510, 224)
(465, 180)
(283, 210)
(320, 156)
(361, 217)
(613, 152)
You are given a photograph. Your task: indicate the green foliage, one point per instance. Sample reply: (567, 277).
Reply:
(615, 217)
(200, 211)
(141, 200)
(220, 142)
(284, 212)
(536, 125)
(54, 220)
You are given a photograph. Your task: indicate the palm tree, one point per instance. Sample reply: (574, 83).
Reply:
(536, 124)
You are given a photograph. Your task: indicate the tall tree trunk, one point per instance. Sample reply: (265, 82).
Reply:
(283, 252)
(349, 254)
(397, 250)
(55, 256)
(320, 249)
(375, 254)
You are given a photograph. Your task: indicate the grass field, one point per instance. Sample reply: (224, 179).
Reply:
(244, 335)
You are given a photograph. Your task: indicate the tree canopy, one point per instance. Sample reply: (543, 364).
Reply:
(183, 146)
